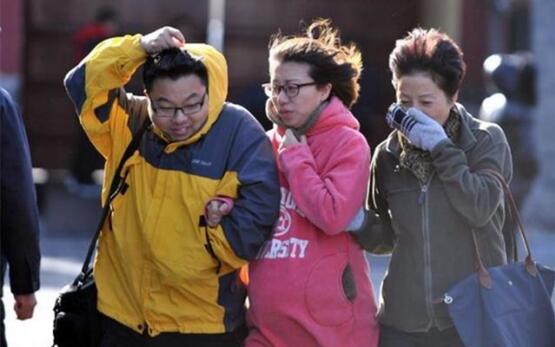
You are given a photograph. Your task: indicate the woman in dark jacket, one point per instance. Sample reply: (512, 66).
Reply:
(430, 192)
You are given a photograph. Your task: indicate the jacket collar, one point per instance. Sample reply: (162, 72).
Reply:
(466, 139)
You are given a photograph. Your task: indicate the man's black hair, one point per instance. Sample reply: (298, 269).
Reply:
(172, 63)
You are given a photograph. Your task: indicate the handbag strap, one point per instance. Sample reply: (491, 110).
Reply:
(483, 274)
(118, 184)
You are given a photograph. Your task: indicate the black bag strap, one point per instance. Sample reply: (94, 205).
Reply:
(118, 183)
(483, 274)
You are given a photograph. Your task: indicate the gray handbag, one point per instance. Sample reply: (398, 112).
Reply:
(507, 305)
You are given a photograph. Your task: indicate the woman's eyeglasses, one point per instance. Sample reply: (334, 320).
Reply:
(290, 89)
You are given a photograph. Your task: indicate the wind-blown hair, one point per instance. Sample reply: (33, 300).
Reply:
(330, 61)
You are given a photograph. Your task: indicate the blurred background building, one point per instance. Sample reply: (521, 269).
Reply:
(37, 48)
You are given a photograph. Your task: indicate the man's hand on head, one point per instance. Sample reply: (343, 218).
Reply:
(163, 38)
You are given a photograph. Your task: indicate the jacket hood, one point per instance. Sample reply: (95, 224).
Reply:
(216, 66)
(335, 114)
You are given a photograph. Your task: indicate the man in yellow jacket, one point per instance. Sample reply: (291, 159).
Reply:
(164, 276)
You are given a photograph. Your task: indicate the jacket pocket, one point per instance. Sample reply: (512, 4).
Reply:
(330, 288)
(348, 283)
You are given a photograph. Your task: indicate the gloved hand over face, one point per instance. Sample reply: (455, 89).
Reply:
(420, 129)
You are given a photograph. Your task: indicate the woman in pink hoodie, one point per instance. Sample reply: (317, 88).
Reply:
(310, 283)
(309, 286)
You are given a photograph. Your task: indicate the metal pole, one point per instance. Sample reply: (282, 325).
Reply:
(216, 24)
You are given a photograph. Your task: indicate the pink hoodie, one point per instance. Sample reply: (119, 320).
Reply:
(296, 289)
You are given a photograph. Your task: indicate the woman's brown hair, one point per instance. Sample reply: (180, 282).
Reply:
(330, 61)
(432, 52)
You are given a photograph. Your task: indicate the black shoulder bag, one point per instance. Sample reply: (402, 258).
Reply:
(76, 319)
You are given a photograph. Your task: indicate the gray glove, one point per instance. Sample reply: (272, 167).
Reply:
(426, 133)
(419, 128)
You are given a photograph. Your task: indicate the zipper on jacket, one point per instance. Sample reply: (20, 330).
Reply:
(423, 201)
(423, 192)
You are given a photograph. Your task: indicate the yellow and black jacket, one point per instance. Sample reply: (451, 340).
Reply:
(158, 266)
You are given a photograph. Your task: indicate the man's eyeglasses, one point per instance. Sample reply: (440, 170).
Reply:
(290, 89)
(171, 112)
